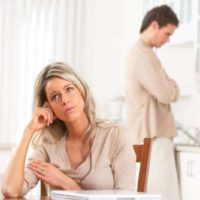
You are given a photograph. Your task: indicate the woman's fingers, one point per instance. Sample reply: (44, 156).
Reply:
(44, 116)
(42, 163)
(39, 163)
(46, 105)
(40, 176)
(39, 167)
(50, 115)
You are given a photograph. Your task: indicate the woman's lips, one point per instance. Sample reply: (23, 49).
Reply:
(69, 110)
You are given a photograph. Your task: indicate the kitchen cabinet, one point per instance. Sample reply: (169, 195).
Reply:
(188, 165)
(185, 12)
(114, 109)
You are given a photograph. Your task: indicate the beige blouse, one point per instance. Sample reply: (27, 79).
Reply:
(149, 92)
(112, 161)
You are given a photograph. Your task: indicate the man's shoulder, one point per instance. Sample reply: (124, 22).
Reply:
(137, 50)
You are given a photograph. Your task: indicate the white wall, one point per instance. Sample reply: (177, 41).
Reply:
(116, 28)
(178, 60)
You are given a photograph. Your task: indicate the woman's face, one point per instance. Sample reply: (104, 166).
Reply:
(65, 100)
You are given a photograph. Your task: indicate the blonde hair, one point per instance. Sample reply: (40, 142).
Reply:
(57, 129)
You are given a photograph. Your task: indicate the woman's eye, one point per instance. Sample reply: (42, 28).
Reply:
(69, 89)
(55, 97)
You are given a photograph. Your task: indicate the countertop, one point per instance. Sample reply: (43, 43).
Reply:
(187, 148)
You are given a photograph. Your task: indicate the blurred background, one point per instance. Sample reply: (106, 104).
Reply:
(93, 36)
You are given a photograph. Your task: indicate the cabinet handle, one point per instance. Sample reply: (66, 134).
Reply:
(190, 168)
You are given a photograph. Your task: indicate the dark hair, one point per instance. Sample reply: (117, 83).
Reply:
(162, 14)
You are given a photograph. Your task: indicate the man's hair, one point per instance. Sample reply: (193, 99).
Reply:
(162, 14)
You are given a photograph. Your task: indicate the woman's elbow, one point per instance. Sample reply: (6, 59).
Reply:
(10, 192)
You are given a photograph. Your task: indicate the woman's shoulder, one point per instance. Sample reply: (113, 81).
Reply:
(106, 124)
(46, 140)
(46, 149)
(113, 136)
(112, 129)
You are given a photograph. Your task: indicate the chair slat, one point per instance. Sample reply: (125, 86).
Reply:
(143, 156)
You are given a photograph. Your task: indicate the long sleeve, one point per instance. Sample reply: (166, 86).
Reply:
(149, 92)
(154, 79)
(30, 180)
(123, 162)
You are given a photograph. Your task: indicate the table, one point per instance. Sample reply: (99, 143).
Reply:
(28, 198)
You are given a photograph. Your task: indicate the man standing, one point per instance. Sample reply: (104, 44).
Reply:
(149, 92)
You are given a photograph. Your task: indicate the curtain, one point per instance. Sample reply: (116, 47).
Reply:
(93, 36)
(34, 33)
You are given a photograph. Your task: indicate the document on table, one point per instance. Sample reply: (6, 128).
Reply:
(101, 195)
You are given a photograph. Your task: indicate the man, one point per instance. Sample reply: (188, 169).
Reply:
(149, 92)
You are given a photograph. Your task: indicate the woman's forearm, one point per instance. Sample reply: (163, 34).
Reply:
(12, 184)
(70, 184)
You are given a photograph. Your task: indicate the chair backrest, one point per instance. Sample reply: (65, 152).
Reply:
(43, 189)
(142, 152)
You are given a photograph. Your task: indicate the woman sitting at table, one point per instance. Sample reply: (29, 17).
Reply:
(73, 149)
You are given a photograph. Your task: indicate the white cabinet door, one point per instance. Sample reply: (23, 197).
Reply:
(189, 175)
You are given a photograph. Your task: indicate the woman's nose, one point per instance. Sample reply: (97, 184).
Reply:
(65, 99)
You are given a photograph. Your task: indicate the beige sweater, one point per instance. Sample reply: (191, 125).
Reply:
(112, 158)
(149, 92)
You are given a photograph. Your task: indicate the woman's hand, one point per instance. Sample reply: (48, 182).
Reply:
(52, 175)
(42, 117)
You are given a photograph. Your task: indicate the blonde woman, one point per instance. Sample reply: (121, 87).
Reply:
(73, 150)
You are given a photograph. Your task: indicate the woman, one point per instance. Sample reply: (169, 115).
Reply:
(73, 150)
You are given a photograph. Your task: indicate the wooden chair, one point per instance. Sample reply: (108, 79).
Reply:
(142, 152)
(43, 189)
